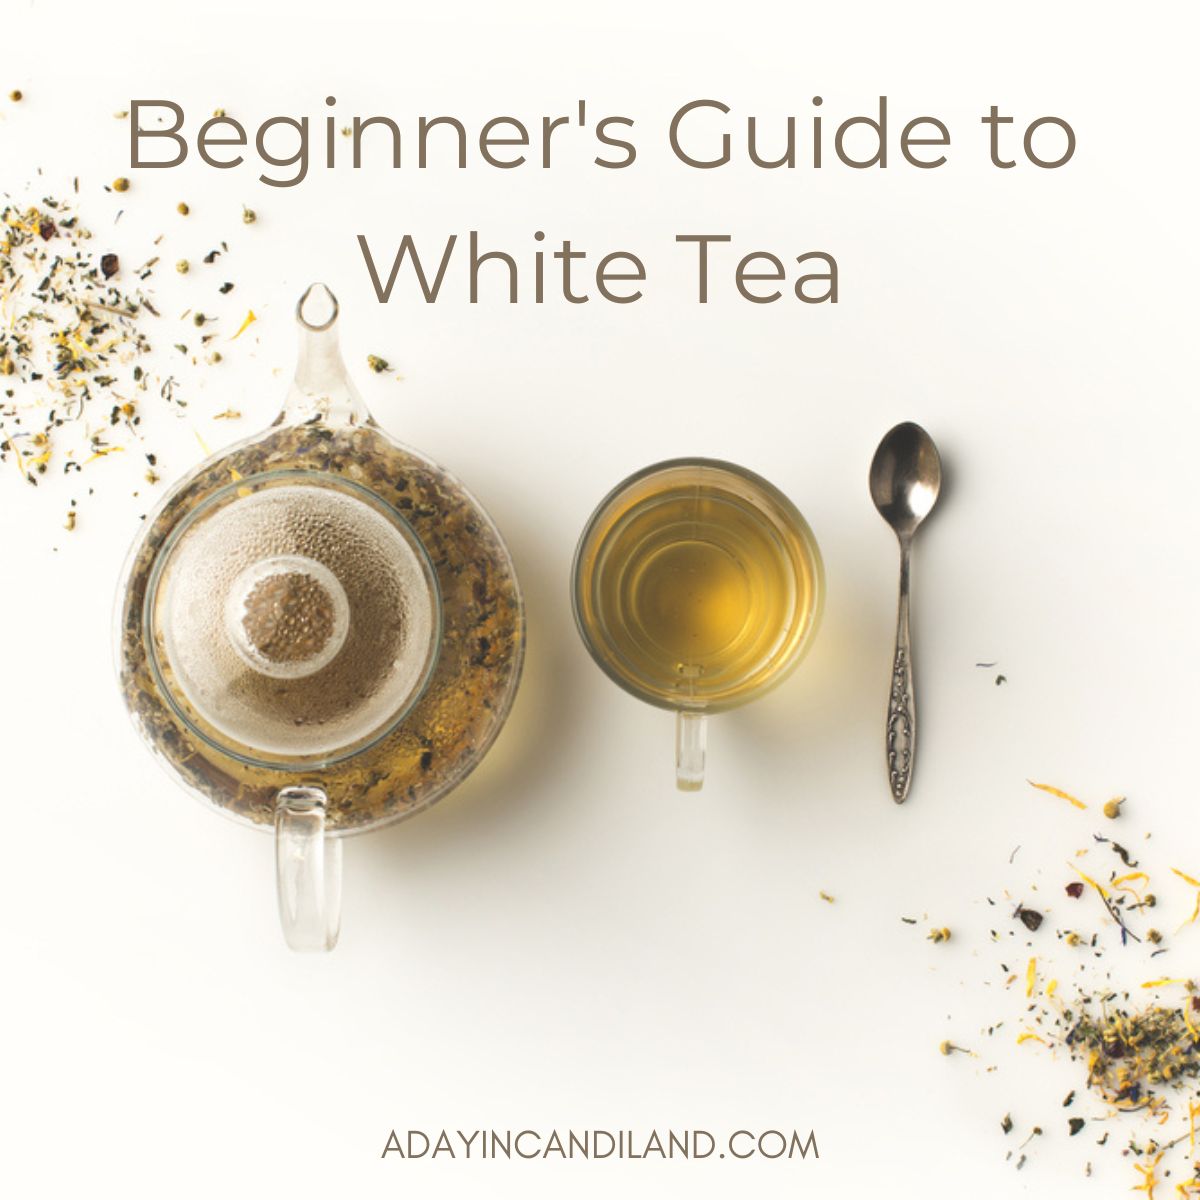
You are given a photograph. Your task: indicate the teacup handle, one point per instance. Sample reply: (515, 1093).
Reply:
(308, 870)
(691, 738)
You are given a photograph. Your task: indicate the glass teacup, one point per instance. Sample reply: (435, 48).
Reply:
(697, 586)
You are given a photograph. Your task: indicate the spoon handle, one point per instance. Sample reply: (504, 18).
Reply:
(901, 737)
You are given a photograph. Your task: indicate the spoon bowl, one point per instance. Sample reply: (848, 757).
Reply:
(906, 477)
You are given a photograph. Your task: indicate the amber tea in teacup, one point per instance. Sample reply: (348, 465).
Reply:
(697, 585)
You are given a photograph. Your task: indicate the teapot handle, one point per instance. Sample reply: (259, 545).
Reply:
(308, 870)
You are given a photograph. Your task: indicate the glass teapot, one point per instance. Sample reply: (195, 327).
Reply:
(319, 630)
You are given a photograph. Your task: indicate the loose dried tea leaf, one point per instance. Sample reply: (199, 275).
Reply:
(1029, 917)
(1117, 849)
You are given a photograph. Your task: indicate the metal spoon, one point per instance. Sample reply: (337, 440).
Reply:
(906, 475)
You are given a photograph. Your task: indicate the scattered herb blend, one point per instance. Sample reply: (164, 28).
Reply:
(1132, 1028)
(71, 341)
(77, 370)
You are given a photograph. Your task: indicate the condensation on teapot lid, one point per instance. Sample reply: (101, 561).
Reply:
(287, 616)
(293, 616)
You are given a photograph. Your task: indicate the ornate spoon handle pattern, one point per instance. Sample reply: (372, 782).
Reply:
(901, 738)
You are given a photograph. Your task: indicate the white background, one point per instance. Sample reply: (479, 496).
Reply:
(567, 942)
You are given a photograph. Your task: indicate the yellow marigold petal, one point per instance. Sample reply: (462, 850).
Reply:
(1195, 912)
(1120, 879)
(250, 319)
(1030, 976)
(1089, 880)
(1194, 883)
(1053, 791)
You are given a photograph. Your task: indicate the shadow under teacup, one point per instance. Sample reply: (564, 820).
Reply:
(697, 586)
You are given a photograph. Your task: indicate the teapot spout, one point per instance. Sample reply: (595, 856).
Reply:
(321, 386)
